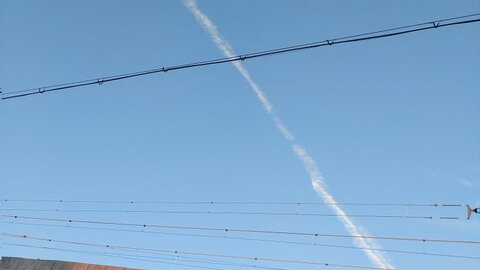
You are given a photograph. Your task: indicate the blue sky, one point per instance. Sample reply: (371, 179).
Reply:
(389, 121)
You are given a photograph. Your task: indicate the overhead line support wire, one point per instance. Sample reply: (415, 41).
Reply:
(204, 254)
(244, 230)
(284, 214)
(175, 257)
(266, 240)
(350, 39)
(227, 203)
(126, 256)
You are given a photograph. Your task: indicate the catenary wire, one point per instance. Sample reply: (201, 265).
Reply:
(191, 253)
(61, 201)
(138, 258)
(350, 39)
(255, 239)
(175, 258)
(195, 212)
(271, 232)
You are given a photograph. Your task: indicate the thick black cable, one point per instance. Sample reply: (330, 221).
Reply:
(354, 38)
(378, 32)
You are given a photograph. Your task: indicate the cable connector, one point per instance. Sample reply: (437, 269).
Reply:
(470, 211)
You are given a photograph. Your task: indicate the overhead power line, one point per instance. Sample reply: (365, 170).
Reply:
(454, 21)
(253, 239)
(248, 213)
(190, 253)
(165, 259)
(132, 202)
(235, 230)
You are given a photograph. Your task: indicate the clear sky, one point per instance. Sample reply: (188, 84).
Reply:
(388, 121)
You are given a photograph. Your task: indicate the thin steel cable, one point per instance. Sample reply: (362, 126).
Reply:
(179, 212)
(451, 241)
(132, 202)
(142, 257)
(190, 253)
(276, 241)
(113, 256)
(353, 38)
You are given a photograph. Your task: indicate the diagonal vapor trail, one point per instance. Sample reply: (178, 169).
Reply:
(368, 245)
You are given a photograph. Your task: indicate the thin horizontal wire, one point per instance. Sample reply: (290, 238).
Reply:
(354, 38)
(167, 257)
(227, 203)
(203, 254)
(221, 213)
(244, 230)
(315, 243)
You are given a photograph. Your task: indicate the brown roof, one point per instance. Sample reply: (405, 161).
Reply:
(13, 263)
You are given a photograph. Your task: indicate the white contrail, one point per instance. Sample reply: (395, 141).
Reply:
(368, 245)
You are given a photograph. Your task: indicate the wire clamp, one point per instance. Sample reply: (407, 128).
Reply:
(330, 42)
(100, 82)
(41, 90)
(242, 57)
(164, 69)
(436, 24)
